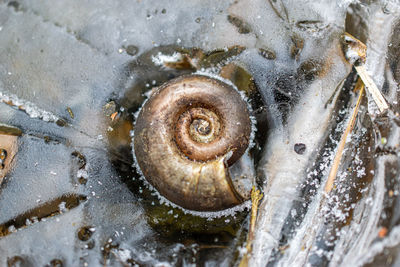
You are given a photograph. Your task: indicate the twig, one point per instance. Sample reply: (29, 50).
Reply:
(256, 196)
(355, 52)
(372, 88)
(338, 156)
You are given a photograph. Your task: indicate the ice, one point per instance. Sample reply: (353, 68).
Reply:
(56, 56)
(161, 59)
(31, 109)
(82, 174)
(278, 179)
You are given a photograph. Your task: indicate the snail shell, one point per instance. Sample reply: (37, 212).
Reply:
(187, 134)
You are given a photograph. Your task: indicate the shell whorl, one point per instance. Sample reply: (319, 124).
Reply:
(186, 135)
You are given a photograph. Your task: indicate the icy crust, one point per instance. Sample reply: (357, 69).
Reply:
(392, 240)
(380, 32)
(29, 108)
(358, 242)
(284, 169)
(161, 59)
(95, 32)
(352, 56)
(205, 214)
(323, 208)
(125, 255)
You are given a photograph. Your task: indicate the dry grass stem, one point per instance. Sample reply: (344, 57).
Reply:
(372, 88)
(256, 196)
(339, 152)
(356, 53)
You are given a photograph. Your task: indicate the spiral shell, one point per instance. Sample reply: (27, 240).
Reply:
(187, 134)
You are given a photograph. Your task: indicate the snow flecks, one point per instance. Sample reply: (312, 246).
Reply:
(29, 108)
(124, 255)
(82, 173)
(161, 59)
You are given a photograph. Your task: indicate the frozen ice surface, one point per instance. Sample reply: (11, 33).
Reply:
(64, 199)
(323, 237)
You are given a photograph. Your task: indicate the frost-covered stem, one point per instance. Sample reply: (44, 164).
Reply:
(339, 152)
(256, 196)
(372, 88)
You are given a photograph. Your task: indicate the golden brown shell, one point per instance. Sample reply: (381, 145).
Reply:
(186, 135)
